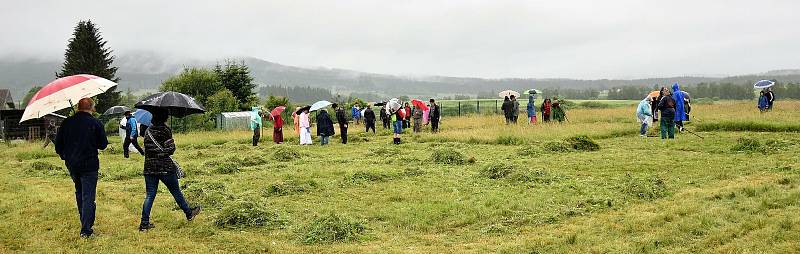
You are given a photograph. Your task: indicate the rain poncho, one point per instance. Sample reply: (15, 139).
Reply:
(763, 102)
(255, 119)
(324, 124)
(644, 111)
(678, 96)
(531, 107)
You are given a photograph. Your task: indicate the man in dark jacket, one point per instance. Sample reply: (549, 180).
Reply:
(667, 108)
(342, 120)
(435, 116)
(514, 109)
(159, 166)
(384, 117)
(324, 127)
(77, 142)
(770, 98)
(507, 107)
(369, 119)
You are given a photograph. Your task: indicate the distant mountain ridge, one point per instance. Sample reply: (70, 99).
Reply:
(144, 70)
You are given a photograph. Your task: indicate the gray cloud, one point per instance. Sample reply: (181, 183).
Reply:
(575, 39)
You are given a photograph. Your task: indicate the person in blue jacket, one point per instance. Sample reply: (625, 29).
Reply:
(644, 113)
(131, 136)
(763, 102)
(531, 110)
(680, 109)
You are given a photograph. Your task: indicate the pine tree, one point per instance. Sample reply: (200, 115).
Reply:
(87, 54)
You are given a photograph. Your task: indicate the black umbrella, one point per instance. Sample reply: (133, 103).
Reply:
(175, 104)
(380, 104)
(115, 110)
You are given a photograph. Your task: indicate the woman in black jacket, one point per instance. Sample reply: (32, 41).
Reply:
(324, 127)
(159, 166)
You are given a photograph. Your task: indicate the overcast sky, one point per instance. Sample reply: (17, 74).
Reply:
(586, 39)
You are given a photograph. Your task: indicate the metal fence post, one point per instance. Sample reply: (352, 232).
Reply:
(495, 106)
(459, 108)
(479, 107)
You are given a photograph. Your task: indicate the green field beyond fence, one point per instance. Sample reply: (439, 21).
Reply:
(492, 106)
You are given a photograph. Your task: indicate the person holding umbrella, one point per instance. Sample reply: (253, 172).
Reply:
(531, 110)
(763, 102)
(417, 115)
(342, 120)
(770, 98)
(324, 127)
(131, 135)
(77, 142)
(369, 119)
(160, 167)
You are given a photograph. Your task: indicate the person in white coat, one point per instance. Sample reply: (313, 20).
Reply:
(305, 128)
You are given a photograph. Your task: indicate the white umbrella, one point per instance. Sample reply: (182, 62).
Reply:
(393, 105)
(64, 93)
(319, 105)
(508, 93)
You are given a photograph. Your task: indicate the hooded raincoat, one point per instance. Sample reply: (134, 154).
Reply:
(680, 109)
(644, 111)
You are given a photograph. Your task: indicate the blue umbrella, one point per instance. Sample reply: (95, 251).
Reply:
(763, 84)
(143, 117)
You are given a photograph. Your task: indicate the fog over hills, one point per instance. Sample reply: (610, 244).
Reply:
(145, 70)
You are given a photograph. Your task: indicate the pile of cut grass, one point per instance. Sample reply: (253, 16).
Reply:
(332, 228)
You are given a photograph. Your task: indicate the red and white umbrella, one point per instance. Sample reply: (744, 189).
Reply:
(63, 93)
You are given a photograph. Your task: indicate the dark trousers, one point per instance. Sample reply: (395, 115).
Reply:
(434, 125)
(256, 136)
(127, 144)
(667, 128)
(85, 192)
(151, 188)
(343, 133)
(385, 123)
(370, 125)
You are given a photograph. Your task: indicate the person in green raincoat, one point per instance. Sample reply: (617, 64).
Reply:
(559, 114)
(255, 125)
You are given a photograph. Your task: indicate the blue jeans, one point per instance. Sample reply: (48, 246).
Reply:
(324, 140)
(643, 130)
(151, 186)
(398, 127)
(85, 193)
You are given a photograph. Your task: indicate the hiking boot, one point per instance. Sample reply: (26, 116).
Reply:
(146, 226)
(87, 235)
(194, 211)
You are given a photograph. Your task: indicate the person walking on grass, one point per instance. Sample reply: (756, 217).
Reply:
(255, 125)
(160, 167)
(342, 120)
(680, 106)
(546, 109)
(531, 108)
(131, 135)
(644, 113)
(50, 133)
(305, 127)
(667, 108)
(369, 119)
(417, 116)
(559, 113)
(763, 102)
(277, 129)
(507, 107)
(435, 116)
(324, 127)
(77, 142)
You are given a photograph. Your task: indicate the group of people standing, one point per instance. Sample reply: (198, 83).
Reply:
(397, 120)
(674, 106)
(77, 143)
(766, 98)
(550, 110)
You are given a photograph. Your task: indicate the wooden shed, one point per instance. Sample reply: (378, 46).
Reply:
(11, 128)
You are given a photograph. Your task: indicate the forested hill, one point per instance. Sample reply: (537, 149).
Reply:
(146, 71)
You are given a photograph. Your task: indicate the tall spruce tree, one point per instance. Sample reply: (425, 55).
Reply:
(87, 54)
(236, 78)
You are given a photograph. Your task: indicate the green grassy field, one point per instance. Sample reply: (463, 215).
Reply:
(479, 186)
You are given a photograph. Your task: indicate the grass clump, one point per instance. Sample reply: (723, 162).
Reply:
(385, 151)
(582, 143)
(332, 228)
(557, 147)
(366, 176)
(43, 168)
(448, 156)
(528, 151)
(289, 187)
(646, 188)
(532, 176)
(509, 140)
(744, 144)
(207, 194)
(496, 171)
(748, 126)
(247, 214)
(233, 164)
(35, 155)
(283, 153)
